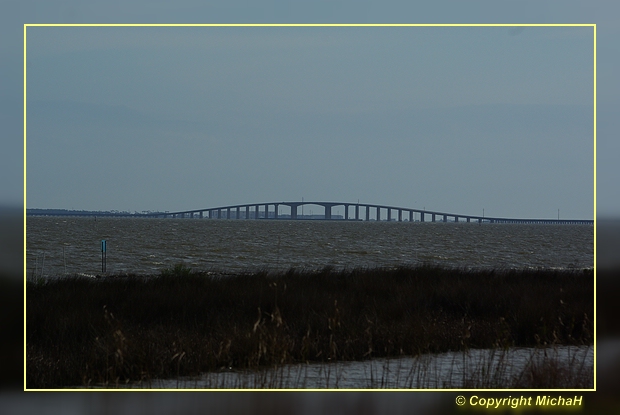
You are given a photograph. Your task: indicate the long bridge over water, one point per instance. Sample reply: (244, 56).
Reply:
(352, 212)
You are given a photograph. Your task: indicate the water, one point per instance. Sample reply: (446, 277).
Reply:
(476, 368)
(57, 245)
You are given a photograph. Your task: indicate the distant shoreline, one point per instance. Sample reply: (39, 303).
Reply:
(70, 212)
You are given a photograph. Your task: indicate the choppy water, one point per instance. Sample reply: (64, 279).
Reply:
(59, 245)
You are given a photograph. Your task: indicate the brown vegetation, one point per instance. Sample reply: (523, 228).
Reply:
(109, 331)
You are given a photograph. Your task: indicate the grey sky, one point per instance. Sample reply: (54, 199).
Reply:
(296, 172)
(453, 119)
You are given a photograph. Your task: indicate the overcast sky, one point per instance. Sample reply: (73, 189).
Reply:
(455, 119)
(176, 118)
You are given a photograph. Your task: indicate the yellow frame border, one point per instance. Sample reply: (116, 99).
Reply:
(313, 25)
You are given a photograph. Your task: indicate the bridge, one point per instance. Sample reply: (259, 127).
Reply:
(352, 212)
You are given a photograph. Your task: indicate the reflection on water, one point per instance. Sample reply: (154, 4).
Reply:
(58, 245)
(489, 369)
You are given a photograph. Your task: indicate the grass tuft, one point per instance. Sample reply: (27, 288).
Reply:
(179, 271)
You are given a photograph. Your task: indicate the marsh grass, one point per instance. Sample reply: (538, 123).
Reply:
(556, 367)
(131, 329)
(178, 271)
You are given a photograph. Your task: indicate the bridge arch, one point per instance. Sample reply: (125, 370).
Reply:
(350, 211)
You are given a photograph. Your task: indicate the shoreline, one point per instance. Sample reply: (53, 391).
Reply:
(281, 271)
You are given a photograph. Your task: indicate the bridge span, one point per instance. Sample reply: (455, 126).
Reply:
(352, 212)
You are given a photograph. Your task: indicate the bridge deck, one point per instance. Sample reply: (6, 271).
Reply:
(263, 211)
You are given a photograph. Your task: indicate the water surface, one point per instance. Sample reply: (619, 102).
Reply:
(476, 368)
(59, 245)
